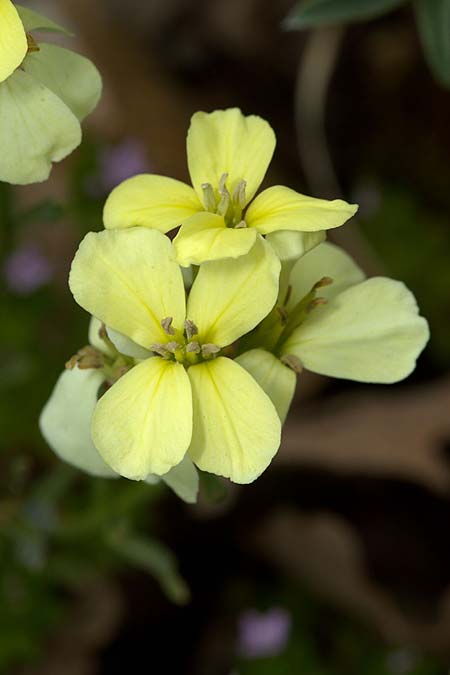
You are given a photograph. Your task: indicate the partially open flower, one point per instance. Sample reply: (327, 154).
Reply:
(228, 155)
(45, 92)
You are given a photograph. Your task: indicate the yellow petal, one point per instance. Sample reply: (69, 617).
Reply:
(157, 202)
(183, 480)
(143, 424)
(205, 237)
(276, 379)
(280, 208)
(289, 245)
(129, 280)
(230, 297)
(65, 421)
(327, 260)
(236, 429)
(225, 141)
(13, 40)
(371, 332)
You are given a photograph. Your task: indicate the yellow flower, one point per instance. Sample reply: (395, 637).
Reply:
(45, 92)
(337, 323)
(185, 394)
(228, 155)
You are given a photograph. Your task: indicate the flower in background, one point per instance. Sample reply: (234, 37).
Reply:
(26, 270)
(262, 634)
(45, 92)
(121, 161)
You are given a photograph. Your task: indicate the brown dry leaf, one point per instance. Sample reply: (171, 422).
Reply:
(398, 433)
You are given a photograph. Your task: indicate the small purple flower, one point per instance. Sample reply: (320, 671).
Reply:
(26, 270)
(119, 162)
(263, 634)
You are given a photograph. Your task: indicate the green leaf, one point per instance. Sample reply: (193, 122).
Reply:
(152, 557)
(34, 21)
(433, 21)
(316, 13)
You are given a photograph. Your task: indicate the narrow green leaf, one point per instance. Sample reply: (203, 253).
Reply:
(433, 21)
(152, 557)
(315, 13)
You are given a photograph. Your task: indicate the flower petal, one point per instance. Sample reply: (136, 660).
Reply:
(128, 279)
(183, 480)
(157, 202)
(126, 346)
(34, 21)
(205, 237)
(36, 129)
(276, 379)
(236, 428)
(95, 340)
(65, 421)
(71, 77)
(13, 40)
(143, 424)
(289, 245)
(370, 332)
(280, 208)
(230, 297)
(225, 141)
(327, 260)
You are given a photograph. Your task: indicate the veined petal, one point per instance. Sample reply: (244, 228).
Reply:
(129, 280)
(280, 208)
(71, 77)
(36, 129)
(230, 297)
(289, 245)
(226, 141)
(143, 424)
(34, 21)
(65, 421)
(157, 202)
(327, 260)
(13, 40)
(236, 429)
(276, 379)
(371, 332)
(205, 237)
(183, 480)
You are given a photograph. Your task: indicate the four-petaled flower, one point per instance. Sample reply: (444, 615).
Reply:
(228, 155)
(45, 92)
(185, 394)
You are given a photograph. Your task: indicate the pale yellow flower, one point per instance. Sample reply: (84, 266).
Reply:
(228, 155)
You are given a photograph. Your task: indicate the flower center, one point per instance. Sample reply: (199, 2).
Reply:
(224, 204)
(183, 347)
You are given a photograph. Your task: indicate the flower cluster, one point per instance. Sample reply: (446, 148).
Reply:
(45, 92)
(197, 342)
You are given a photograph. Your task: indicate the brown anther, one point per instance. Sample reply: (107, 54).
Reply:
(159, 348)
(293, 362)
(32, 44)
(325, 281)
(173, 346)
(85, 358)
(282, 313)
(190, 329)
(193, 347)
(167, 325)
(316, 303)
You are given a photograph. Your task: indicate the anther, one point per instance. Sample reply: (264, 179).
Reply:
(293, 362)
(190, 329)
(209, 198)
(209, 349)
(325, 281)
(239, 193)
(167, 325)
(160, 349)
(316, 303)
(32, 44)
(193, 347)
(173, 346)
(240, 225)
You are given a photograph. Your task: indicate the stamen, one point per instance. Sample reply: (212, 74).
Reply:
(85, 358)
(193, 347)
(316, 303)
(190, 329)
(32, 44)
(292, 362)
(223, 183)
(239, 193)
(160, 349)
(209, 349)
(173, 347)
(325, 281)
(209, 198)
(167, 325)
(240, 225)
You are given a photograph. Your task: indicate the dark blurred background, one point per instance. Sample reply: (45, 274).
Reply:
(336, 561)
